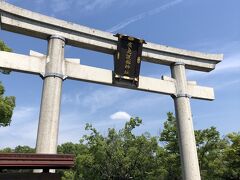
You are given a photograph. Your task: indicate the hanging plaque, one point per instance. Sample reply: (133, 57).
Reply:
(127, 61)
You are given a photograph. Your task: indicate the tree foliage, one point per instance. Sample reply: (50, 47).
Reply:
(168, 138)
(210, 147)
(232, 156)
(119, 155)
(18, 149)
(7, 103)
(123, 155)
(4, 47)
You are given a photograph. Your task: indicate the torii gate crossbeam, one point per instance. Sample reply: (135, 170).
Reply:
(22, 21)
(54, 69)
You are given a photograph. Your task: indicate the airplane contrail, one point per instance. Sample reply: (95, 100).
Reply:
(143, 15)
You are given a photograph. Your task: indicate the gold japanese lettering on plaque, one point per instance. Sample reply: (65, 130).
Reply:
(127, 61)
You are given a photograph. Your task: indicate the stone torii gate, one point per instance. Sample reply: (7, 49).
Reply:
(53, 68)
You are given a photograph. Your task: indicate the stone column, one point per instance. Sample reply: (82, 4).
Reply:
(186, 138)
(47, 137)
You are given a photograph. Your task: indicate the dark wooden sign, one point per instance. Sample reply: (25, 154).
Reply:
(127, 61)
(28, 161)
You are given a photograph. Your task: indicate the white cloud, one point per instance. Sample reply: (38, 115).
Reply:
(95, 99)
(147, 100)
(120, 115)
(102, 98)
(229, 65)
(227, 84)
(90, 5)
(21, 113)
(61, 5)
(67, 98)
(143, 15)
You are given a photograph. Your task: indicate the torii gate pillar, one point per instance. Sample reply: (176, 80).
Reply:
(47, 136)
(186, 138)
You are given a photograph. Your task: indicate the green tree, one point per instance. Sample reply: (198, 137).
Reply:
(24, 149)
(168, 138)
(7, 104)
(119, 155)
(123, 155)
(18, 149)
(210, 147)
(4, 47)
(71, 148)
(232, 156)
(6, 150)
(210, 153)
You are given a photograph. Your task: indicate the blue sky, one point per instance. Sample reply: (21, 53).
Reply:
(207, 26)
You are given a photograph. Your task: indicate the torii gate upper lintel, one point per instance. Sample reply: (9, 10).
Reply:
(54, 69)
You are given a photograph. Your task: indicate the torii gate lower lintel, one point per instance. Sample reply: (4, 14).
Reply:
(54, 69)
